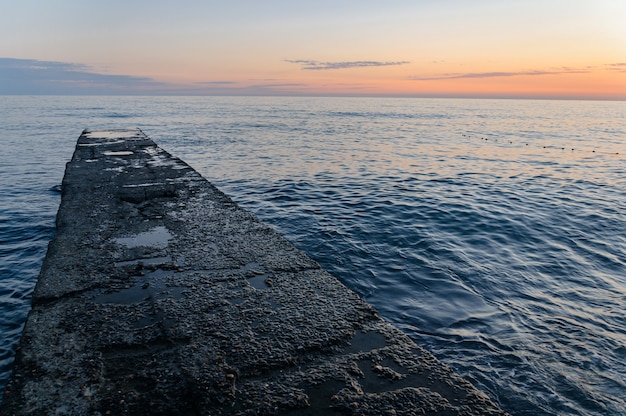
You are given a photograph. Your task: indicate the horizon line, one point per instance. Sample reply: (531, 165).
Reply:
(338, 95)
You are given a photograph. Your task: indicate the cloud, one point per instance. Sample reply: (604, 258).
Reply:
(283, 85)
(216, 82)
(564, 70)
(620, 67)
(311, 65)
(30, 76)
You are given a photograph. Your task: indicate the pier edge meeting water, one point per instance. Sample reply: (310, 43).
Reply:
(490, 231)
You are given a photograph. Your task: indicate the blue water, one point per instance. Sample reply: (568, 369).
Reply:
(493, 232)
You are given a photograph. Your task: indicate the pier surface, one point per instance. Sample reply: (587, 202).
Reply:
(160, 296)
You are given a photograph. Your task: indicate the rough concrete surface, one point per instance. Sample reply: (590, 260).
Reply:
(160, 296)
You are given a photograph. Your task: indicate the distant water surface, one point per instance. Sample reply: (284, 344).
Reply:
(493, 232)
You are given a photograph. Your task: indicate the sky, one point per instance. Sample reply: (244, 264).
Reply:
(568, 49)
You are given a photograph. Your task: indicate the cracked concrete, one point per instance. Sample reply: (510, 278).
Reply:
(160, 296)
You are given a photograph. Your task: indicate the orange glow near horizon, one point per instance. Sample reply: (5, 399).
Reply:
(592, 86)
(599, 84)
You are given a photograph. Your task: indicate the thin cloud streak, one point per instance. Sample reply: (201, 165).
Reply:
(278, 85)
(216, 82)
(499, 74)
(312, 65)
(619, 67)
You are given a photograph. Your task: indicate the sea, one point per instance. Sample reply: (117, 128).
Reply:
(492, 232)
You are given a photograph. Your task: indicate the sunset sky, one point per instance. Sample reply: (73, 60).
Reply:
(448, 48)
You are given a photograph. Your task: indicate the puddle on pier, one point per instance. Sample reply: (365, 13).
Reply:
(129, 296)
(119, 153)
(113, 134)
(150, 287)
(152, 261)
(158, 237)
(258, 281)
(365, 341)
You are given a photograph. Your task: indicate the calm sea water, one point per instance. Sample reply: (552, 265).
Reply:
(493, 232)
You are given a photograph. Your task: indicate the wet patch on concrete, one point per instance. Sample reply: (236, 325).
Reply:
(259, 282)
(151, 286)
(320, 399)
(118, 153)
(128, 296)
(157, 237)
(151, 261)
(365, 341)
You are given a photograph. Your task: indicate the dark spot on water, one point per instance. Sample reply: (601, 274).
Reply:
(117, 115)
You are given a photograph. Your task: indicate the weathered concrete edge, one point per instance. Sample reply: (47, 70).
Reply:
(225, 317)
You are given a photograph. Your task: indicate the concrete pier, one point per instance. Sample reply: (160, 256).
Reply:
(160, 296)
